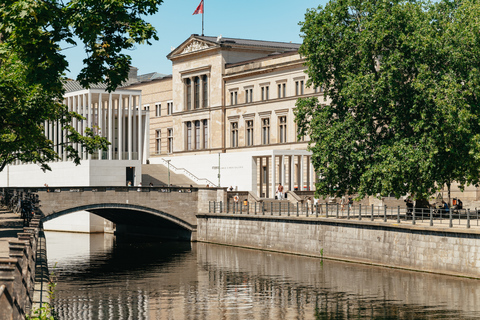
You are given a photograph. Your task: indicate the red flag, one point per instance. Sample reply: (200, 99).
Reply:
(199, 8)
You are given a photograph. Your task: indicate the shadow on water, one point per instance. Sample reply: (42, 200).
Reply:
(103, 278)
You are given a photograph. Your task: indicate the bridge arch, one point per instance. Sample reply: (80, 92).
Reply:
(137, 220)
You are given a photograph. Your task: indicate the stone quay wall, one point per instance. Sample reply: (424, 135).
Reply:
(453, 252)
(17, 273)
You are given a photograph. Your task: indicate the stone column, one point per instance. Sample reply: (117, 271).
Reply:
(89, 116)
(267, 178)
(120, 128)
(100, 122)
(292, 173)
(274, 175)
(260, 159)
(300, 187)
(140, 129)
(129, 137)
(110, 127)
(134, 125)
(282, 170)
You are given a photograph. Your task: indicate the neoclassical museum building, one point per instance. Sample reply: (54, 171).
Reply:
(225, 114)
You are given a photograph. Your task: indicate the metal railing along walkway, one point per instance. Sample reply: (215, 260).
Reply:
(464, 218)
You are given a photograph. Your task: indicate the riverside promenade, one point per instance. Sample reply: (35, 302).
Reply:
(23, 268)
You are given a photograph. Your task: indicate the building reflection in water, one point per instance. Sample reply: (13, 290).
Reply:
(100, 278)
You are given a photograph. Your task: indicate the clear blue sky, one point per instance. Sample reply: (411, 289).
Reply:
(275, 20)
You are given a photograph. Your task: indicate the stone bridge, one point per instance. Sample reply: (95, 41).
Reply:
(164, 212)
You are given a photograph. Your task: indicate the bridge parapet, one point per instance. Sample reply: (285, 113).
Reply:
(181, 204)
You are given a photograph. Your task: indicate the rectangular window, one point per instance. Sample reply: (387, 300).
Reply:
(266, 131)
(196, 92)
(205, 91)
(188, 88)
(205, 134)
(265, 93)
(248, 95)
(169, 108)
(299, 87)
(146, 107)
(282, 90)
(189, 135)
(234, 134)
(249, 132)
(233, 98)
(158, 110)
(197, 134)
(170, 141)
(282, 123)
(158, 141)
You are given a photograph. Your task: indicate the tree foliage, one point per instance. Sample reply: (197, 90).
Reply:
(32, 66)
(401, 109)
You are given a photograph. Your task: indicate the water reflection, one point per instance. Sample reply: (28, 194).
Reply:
(101, 278)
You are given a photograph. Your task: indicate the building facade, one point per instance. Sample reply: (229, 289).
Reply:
(228, 116)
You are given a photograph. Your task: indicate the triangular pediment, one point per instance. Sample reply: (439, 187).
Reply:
(192, 44)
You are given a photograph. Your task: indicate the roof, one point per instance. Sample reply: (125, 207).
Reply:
(150, 76)
(218, 42)
(74, 85)
(251, 43)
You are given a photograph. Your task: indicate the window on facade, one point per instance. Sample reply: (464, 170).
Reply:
(169, 108)
(146, 107)
(233, 98)
(266, 131)
(196, 90)
(197, 134)
(158, 110)
(205, 91)
(189, 135)
(249, 132)
(188, 88)
(234, 134)
(282, 90)
(170, 141)
(158, 141)
(299, 87)
(205, 134)
(282, 127)
(265, 93)
(248, 95)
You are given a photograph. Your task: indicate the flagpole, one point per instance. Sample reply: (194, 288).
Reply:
(203, 12)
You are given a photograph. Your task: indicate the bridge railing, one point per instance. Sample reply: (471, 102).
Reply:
(464, 218)
(105, 189)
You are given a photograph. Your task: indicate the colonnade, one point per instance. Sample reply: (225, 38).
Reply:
(116, 116)
(293, 171)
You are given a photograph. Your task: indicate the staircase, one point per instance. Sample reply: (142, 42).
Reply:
(158, 175)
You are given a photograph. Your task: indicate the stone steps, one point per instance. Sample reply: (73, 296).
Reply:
(158, 175)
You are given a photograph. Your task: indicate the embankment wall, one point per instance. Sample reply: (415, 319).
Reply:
(430, 249)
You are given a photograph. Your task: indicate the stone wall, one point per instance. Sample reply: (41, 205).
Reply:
(409, 247)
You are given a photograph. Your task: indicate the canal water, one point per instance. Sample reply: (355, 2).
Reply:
(102, 277)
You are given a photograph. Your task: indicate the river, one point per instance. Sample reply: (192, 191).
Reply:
(102, 277)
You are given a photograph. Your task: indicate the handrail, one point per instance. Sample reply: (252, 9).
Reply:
(188, 173)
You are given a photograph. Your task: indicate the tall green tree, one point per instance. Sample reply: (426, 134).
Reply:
(401, 105)
(32, 66)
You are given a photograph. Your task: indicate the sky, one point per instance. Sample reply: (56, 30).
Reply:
(274, 20)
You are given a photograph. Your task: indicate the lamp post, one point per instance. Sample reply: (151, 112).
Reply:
(219, 170)
(168, 166)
